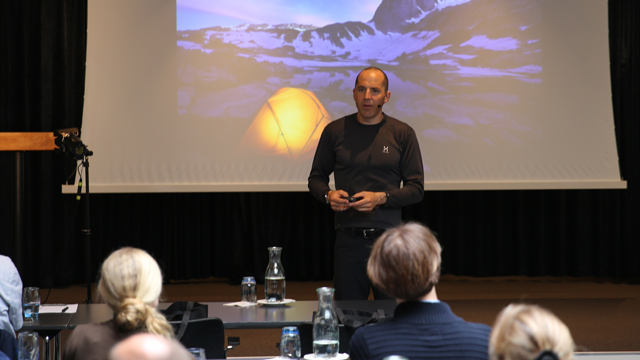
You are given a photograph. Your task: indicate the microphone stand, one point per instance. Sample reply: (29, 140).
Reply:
(86, 229)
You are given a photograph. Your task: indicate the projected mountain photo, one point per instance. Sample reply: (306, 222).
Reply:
(462, 73)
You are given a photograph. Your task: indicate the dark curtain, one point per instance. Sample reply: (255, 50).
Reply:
(484, 233)
(42, 70)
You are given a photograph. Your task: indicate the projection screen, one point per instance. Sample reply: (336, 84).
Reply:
(203, 95)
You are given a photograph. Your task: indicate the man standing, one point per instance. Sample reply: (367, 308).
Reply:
(370, 154)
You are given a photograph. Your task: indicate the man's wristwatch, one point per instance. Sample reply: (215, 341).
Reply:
(326, 197)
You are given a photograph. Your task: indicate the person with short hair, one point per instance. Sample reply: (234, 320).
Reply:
(529, 332)
(146, 346)
(377, 165)
(405, 263)
(131, 284)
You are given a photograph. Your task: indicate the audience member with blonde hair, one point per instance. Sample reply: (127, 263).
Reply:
(130, 283)
(529, 332)
(405, 263)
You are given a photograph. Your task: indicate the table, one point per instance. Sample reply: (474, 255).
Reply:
(254, 317)
(294, 314)
(49, 325)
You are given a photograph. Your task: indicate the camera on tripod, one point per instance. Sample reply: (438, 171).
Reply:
(69, 142)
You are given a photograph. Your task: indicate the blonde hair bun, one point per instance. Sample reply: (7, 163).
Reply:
(131, 315)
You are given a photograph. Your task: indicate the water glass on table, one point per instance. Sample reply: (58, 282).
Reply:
(290, 343)
(198, 353)
(31, 303)
(248, 289)
(28, 346)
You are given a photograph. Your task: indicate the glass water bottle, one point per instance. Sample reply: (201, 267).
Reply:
(274, 283)
(325, 325)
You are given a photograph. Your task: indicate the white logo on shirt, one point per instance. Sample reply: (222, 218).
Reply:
(385, 149)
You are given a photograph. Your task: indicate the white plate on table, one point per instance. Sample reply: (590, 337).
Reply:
(339, 356)
(283, 302)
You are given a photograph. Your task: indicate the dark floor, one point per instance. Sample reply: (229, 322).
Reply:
(602, 316)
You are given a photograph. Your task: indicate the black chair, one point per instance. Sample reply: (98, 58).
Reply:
(204, 333)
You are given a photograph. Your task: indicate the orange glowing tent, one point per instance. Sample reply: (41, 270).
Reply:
(288, 124)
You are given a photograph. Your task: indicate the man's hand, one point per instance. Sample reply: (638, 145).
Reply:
(339, 200)
(369, 201)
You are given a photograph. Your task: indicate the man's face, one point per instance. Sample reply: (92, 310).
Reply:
(369, 96)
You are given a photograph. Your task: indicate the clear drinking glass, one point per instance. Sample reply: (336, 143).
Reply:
(325, 326)
(248, 289)
(197, 353)
(28, 346)
(274, 283)
(31, 303)
(290, 343)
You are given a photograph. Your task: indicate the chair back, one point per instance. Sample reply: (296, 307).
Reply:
(204, 333)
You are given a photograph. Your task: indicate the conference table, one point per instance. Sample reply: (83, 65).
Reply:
(254, 317)
(48, 326)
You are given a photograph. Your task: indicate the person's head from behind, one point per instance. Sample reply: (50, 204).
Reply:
(148, 347)
(528, 332)
(131, 284)
(405, 262)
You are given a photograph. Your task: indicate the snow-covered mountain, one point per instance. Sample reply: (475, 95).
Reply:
(455, 67)
(442, 32)
(397, 15)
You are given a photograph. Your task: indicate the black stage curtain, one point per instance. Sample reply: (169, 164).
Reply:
(484, 233)
(42, 72)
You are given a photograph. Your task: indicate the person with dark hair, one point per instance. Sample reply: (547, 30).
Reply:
(131, 284)
(529, 332)
(405, 263)
(377, 165)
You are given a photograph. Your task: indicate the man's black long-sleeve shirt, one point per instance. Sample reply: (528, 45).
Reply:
(377, 158)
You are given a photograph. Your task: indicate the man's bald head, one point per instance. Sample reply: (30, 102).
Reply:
(385, 81)
(145, 346)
